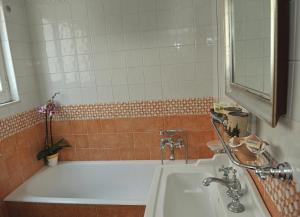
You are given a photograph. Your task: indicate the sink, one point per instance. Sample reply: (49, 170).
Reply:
(177, 191)
(186, 190)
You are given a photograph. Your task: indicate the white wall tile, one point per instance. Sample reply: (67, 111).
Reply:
(135, 75)
(120, 93)
(153, 91)
(123, 49)
(136, 92)
(105, 94)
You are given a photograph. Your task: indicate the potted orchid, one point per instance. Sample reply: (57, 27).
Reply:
(50, 151)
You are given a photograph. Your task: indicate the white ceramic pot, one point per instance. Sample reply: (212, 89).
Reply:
(52, 160)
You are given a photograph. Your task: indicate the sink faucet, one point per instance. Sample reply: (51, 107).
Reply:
(234, 188)
(172, 142)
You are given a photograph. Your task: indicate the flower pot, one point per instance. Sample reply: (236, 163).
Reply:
(52, 160)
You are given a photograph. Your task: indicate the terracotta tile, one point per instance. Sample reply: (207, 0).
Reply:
(172, 122)
(61, 127)
(13, 210)
(147, 124)
(82, 154)
(148, 139)
(205, 152)
(3, 210)
(142, 154)
(117, 140)
(193, 153)
(112, 154)
(15, 180)
(12, 164)
(82, 141)
(67, 154)
(108, 126)
(95, 140)
(71, 139)
(123, 124)
(86, 211)
(93, 126)
(196, 122)
(126, 153)
(78, 127)
(198, 138)
(155, 153)
(8, 146)
(3, 169)
(96, 154)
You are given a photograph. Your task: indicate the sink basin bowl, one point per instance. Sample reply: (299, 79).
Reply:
(190, 196)
(177, 191)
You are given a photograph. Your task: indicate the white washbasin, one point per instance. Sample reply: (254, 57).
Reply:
(177, 191)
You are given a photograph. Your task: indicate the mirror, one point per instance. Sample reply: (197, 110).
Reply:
(257, 55)
(251, 45)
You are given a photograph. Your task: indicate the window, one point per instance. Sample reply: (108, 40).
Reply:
(8, 84)
(5, 95)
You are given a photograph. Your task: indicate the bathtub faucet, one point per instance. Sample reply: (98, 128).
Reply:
(172, 140)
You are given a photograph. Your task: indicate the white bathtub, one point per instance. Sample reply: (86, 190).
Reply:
(94, 182)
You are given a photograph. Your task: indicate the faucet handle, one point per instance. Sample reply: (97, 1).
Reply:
(226, 171)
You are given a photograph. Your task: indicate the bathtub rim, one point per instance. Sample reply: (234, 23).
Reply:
(14, 196)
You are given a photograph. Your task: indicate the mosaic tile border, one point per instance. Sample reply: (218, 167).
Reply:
(16, 123)
(195, 106)
(284, 195)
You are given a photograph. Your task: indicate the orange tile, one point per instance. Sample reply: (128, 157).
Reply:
(93, 126)
(61, 127)
(147, 124)
(108, 126)
(82, 154)
(67, 154)
(95, 140)
(15, 180)
(155, 153)
(8, 146)
(141, 154)
(126, 153)
(71, 139)
(12, 164)
(78, 127)
(198, 138)
(96, 154)
(111, 154)
(173, 122)
(147, 140)
(3, 169)
(82, 141)
(123, 124)
(117, 140)
(86, 211)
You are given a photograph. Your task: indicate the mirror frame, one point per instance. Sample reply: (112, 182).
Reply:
(268, 108)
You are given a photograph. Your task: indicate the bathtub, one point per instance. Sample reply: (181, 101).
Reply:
(92, 182)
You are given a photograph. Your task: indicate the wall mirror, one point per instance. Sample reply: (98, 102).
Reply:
(256, 33)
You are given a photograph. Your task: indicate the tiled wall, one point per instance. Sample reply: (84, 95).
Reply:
(132, 138)
(67, 210)
(17, 159)
(128, 131)
(123, 50)
(19, 40)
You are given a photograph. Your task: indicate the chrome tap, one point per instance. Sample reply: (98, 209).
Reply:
(234, 188)
(173, 143)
